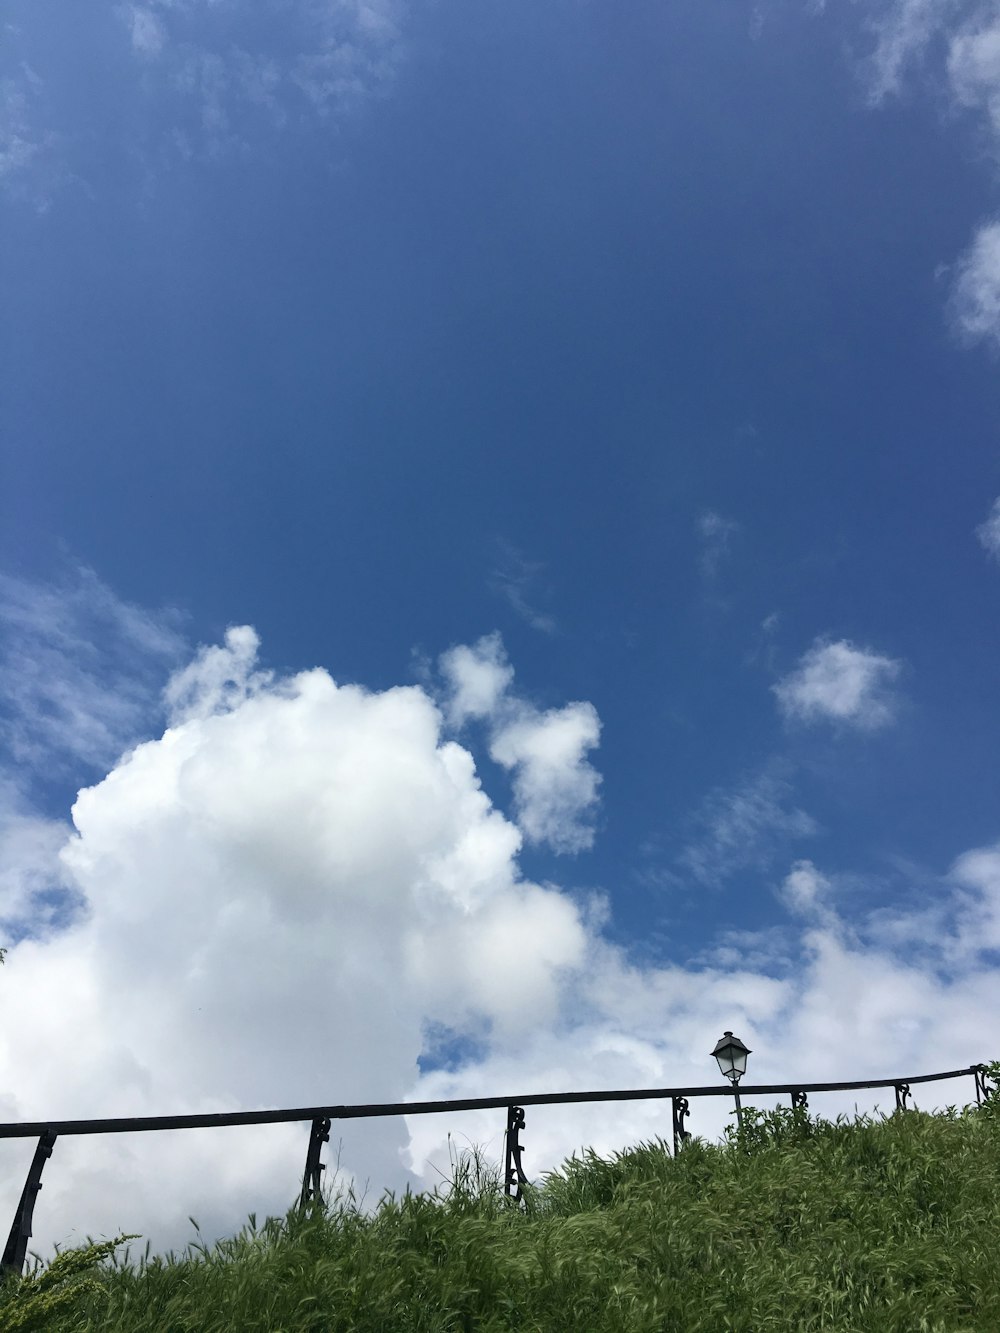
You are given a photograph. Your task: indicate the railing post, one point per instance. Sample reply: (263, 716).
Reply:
(984, 1091)
(311, 1184)
(514, 1176)
(680, 1106)
(20, 1232)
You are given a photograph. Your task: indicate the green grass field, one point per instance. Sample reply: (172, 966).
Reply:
(879, 1224)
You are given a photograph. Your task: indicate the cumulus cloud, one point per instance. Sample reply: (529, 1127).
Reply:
(555, 786)
(989, 532)
(281, 893)
(804, 889)
(809, 896)
(853, 1007)
(477, 677)
(296, 885)
(32, 881)
(218, 679)
(838, 682)
(977, 875)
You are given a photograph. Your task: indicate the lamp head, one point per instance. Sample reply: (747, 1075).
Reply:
(732, 1056)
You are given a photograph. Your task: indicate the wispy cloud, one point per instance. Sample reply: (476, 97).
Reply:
(989, 532)
(835, 681)
(745, 826)
(215, 77)
(903, 31)
(30, 169)
(717, 534)
(974, 65)
(247, 65)
(145, 28)
(954, 45)
(80, 670)
(764, 648)
(518, 582)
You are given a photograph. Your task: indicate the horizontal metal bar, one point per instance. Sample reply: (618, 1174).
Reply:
(143, 1124)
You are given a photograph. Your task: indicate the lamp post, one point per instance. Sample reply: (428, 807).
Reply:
(732, 1057)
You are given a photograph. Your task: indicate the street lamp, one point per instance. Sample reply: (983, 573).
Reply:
(732, 1057)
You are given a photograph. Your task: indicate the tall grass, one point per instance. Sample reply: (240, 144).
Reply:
(792, 1223)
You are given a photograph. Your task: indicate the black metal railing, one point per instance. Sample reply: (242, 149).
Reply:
(321, 1118)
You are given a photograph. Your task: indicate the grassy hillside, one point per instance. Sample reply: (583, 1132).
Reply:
(886, 1224)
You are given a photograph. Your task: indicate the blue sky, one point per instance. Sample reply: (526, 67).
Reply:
(607, 403)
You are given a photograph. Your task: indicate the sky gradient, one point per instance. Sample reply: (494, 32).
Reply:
(499, 567)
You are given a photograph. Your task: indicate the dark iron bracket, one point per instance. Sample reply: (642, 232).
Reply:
(514, 1177)
(312, 1191)
(20, 1232)
(799, 1099)
(902, 1095)
(986, 1088)
(681, 1107)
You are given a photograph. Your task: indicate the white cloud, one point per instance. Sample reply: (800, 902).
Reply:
(975, 296)
(838, 682)
(850, 1010)
(281, 892)
(989, 532)
(805, 890)
(300, 882)
(219, 679)
(555, 787)
(977, 873)
(477, 677)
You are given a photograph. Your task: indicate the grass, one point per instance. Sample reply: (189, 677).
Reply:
(877, 1224)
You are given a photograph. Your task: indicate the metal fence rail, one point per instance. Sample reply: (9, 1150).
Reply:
(320, 1119)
